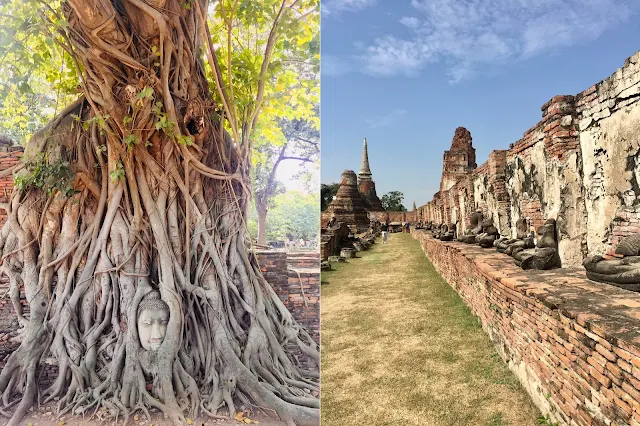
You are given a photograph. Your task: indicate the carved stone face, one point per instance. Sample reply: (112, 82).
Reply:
(152, 327)
(629, 197)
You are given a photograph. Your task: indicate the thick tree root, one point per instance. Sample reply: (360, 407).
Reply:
(158, 201)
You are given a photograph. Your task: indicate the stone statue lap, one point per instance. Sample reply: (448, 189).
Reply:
(545, 255)
(625, 272)
(469, 236)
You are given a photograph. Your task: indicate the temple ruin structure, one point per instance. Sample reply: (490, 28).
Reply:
(557, 292)
(366, 185)
(579, 165)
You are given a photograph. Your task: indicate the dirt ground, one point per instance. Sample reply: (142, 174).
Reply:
(399, 347)
(45, 416)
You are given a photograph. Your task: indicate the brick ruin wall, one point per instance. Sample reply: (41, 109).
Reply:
(295, 277)
(579, 165)
(9, 157)
(574, 344)
(393, 216)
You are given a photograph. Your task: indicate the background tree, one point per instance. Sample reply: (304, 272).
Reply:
(300, 143)
(327, 192)
(141, 184)
(392, 201)
(296, 214)
(39, 76)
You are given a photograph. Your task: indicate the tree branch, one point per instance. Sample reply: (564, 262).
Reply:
(303, 159)
(217, 74)
(271, 40)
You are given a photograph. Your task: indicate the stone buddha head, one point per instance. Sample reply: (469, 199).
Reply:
(153, 317)
(629, 198)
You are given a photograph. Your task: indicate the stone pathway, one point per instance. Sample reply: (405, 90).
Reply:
(399, 347)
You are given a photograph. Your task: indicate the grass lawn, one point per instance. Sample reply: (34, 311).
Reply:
(399, 347)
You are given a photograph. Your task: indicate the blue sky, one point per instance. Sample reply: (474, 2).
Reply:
(405, 74)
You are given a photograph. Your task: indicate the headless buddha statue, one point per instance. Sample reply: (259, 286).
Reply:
(545, 255)
(625, 272)
(469, 236)
(488, 235)
(522, 241)
(448, 233)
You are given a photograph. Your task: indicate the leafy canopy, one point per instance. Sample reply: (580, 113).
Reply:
(291, 213)
(327, 192)
(392, 201)
(39, 78)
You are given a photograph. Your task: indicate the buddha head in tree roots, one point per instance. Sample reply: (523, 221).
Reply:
(153, 317)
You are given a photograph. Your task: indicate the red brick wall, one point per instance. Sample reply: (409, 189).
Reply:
(574, 344)
(285, 282)
(295, 277)
(394, 216)
(8, 158)
(624, 224)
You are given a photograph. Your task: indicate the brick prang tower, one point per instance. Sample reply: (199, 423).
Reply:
(459, 160)
(366, 185)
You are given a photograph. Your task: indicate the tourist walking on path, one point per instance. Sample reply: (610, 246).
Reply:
(406, 227)
(385, 230)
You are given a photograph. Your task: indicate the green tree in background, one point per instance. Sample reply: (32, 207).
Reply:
(301, 144)
(392, 201)
(296, 214)
(327, 192)
(291, 213)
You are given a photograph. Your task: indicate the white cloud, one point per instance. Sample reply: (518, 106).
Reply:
(336, 7)
(472, 35)
(385, 120)
(332, 66)
(411, 22)
(390, 56)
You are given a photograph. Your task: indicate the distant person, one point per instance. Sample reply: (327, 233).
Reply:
(406, 226)
(385, 229)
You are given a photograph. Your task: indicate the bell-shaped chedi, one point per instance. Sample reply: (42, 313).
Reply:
(348, 206)
(459, 160)
(366, 185)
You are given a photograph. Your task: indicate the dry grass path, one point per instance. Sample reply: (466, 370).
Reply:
(399, 347)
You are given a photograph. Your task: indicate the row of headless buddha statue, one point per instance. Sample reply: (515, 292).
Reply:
(526, 253)
(623, 272)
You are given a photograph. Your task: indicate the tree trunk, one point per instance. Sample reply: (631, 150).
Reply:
(156, 200)
(262, 225)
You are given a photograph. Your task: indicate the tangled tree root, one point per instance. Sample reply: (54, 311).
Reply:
(142, 190)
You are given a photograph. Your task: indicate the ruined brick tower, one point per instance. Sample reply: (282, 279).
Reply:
(366, 185)
(459, 160)
(348, 206)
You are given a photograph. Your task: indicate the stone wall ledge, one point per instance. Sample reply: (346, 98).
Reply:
(574, 344)
(609, 312)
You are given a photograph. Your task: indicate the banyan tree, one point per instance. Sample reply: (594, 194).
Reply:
(126, 232)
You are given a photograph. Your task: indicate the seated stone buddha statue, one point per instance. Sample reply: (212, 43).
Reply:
(153, 317)
(489, 234)
(521, 241)
(436, 230)
(469, 235)
(448, 232)
(623, 272)
(545, 255)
